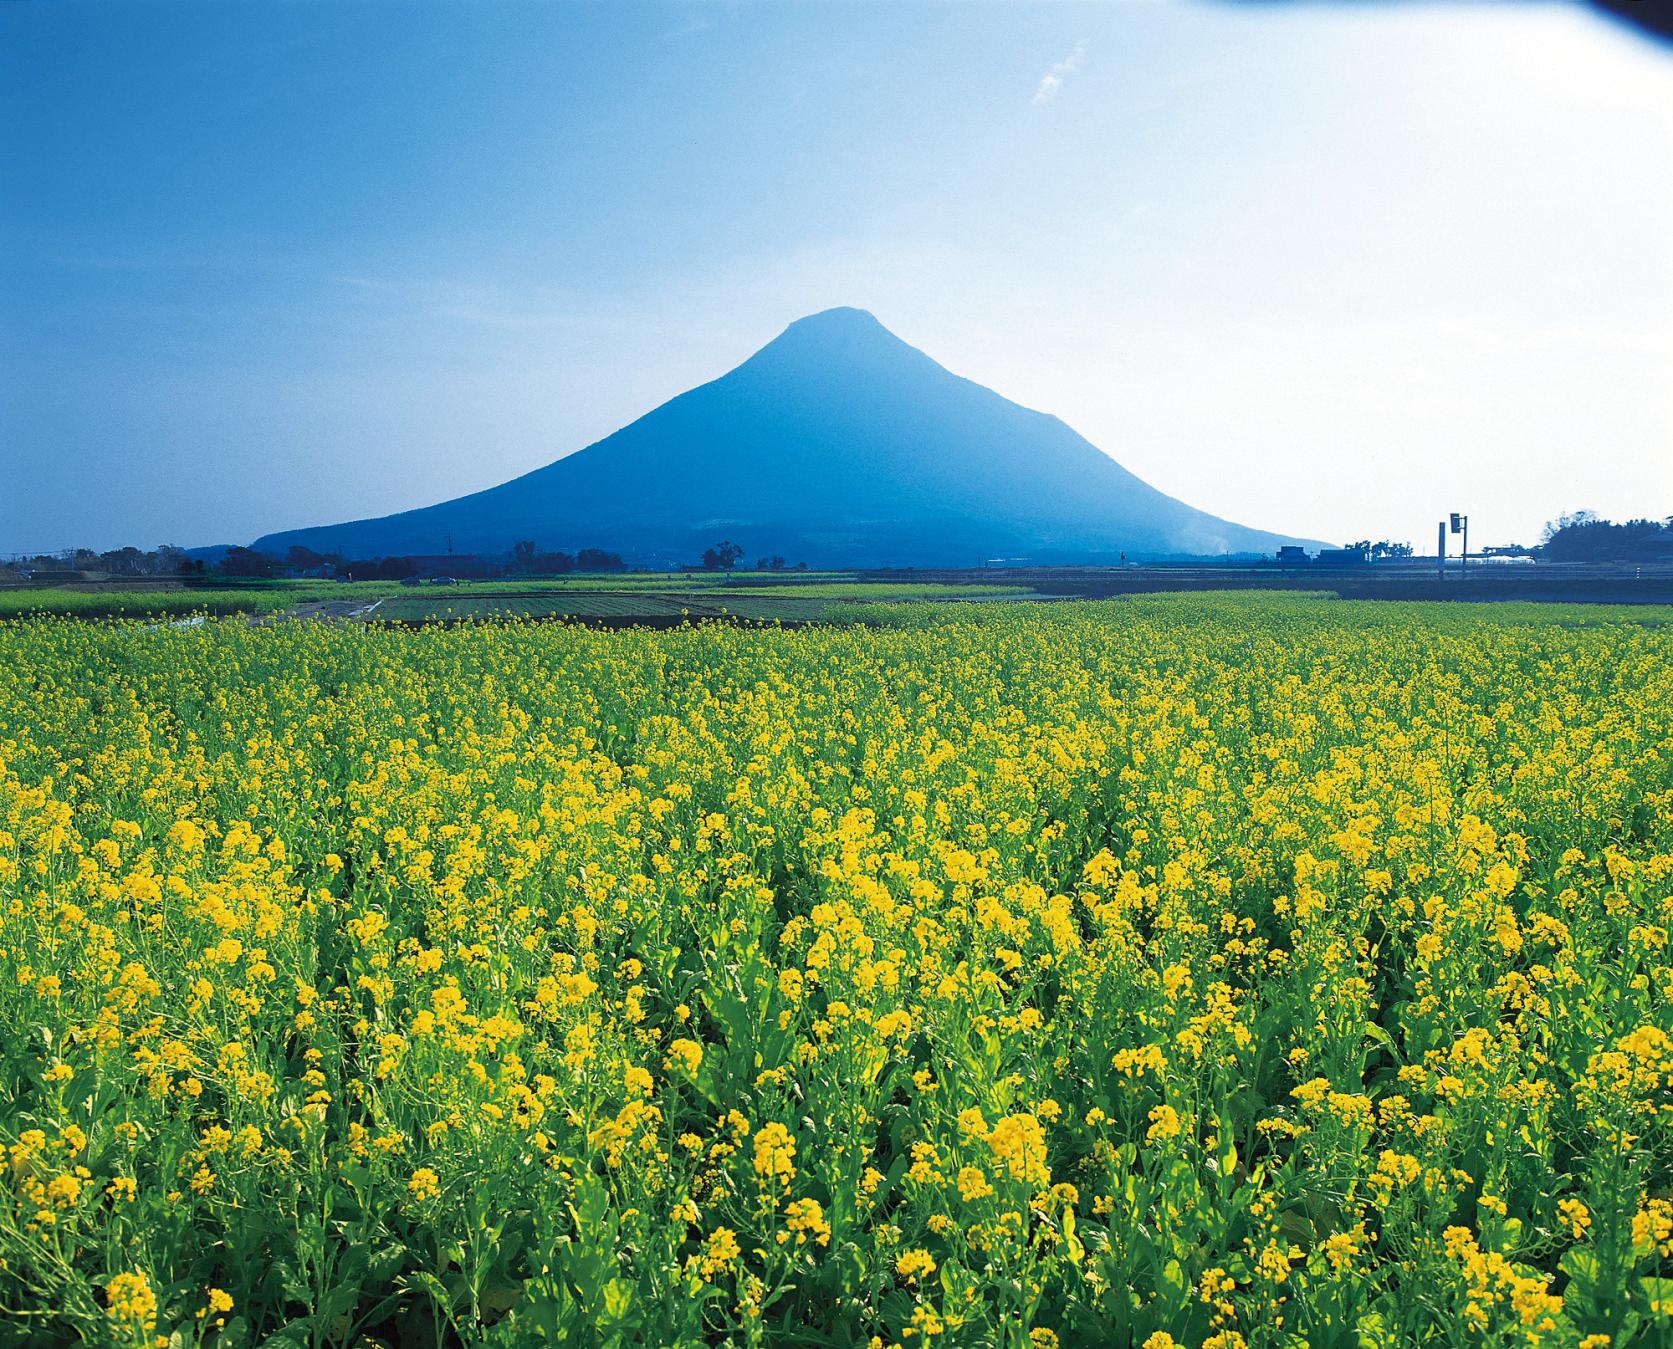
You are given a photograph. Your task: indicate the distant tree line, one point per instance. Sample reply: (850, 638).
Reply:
(248, 564)
(166, 560)
(1585, 536)
(1580, 536)
(527, 560)
(726, 555)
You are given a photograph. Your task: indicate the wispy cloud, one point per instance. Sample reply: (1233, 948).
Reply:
(1053, 79)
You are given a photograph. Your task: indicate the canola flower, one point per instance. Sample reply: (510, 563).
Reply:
(1218, 972)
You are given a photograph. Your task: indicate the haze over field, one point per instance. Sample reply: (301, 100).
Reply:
(1323, 269)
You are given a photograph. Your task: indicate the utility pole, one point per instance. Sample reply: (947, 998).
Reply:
(1461, 525)
(1440, 551)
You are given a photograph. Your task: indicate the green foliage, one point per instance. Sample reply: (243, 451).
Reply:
(1220, 971)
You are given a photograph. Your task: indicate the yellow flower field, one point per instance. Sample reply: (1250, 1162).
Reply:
(1198, 971)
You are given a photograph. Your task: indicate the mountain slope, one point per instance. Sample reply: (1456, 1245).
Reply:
(836, 444)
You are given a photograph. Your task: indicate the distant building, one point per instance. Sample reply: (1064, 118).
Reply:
(1342, 557)
(1292, 555)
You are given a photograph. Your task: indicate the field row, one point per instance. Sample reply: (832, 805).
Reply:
(651, 593)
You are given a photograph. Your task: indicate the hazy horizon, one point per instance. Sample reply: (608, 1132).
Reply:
(1325, 271)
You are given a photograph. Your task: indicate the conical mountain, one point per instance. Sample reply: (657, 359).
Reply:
(836, 444)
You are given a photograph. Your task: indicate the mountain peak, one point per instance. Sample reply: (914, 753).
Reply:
(836, 329)
(843, 338)
(837, 443)
(842, 318)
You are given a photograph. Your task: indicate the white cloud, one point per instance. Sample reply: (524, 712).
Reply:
(1053, 79)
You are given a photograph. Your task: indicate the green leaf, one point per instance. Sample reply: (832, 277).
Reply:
(1172, 1287)
(1070, 1241)
(1582, 1268)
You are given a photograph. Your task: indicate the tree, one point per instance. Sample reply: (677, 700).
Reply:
(1382, 548)
(773, 563)
(522, 555)
(245, 562)
(722, 557)
(379, 569)
(1569, 520)
(552, 564)
(1586, 537)
(123, 562)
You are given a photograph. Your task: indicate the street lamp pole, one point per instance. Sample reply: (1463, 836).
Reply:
(1460, 525)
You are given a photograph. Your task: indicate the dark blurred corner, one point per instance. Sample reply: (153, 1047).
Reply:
(1648, 18)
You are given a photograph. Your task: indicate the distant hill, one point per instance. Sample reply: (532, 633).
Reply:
(836, 444)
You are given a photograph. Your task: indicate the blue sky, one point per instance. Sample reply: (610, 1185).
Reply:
(1326, 270)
